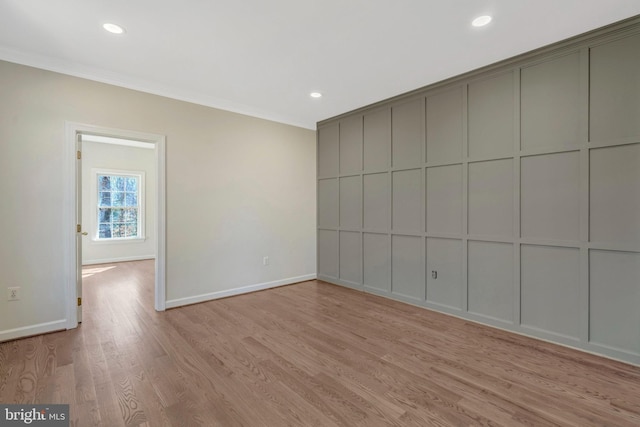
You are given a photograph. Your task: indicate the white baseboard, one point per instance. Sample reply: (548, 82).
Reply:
(237, 291)
(119, 259)
(27, 331)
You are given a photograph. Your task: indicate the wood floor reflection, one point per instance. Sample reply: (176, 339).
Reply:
(305, 354)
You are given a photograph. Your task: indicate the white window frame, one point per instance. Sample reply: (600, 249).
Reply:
(141, 237)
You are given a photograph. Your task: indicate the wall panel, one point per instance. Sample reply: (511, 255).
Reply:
(444, 126)
(350, 257)
(491, 198)
(550, 196)
(491, 116)
(350, 202)
(615, 299)
(328, 203)
(444, 199)
(328, 151)
(376, 201)
(550, 102)
(518, 184)
(490, 267)
(376, 261)
(407, 134)
(615, 90)
(328, 253)
(407, 200)
(377, 140)
(615, 194)
(351, 145)
(407, 267)
(444, 258)
(550, 289)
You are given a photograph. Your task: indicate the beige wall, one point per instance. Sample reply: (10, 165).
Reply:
(238, 189)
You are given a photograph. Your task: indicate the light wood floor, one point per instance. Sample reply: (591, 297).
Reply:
(305, 354)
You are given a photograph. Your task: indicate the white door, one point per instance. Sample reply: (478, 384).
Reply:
(79, 231)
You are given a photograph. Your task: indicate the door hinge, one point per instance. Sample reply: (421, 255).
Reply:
(78, 228)
(79, 301)
(78, 155)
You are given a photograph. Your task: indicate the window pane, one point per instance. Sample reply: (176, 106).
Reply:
(130, 215)
(104, 198)
(131, 199)
(131, 229)
(103, 183)
(117, 198)
(116, 215)
(132, 185)
(117, 183)
(117, 230)
(104, 215)
(104, 231)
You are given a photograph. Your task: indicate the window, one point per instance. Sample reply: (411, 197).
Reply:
(119, 205)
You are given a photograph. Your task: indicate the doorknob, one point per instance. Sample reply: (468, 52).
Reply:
(84, 233)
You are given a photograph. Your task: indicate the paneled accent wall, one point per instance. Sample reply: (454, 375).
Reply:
(508, 196)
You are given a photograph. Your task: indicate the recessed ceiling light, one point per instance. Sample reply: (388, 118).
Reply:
(113, 28)
(315, 95)
(481, 21)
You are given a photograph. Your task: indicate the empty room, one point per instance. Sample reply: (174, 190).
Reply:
(298, 213)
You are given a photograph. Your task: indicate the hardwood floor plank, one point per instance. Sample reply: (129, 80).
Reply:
(28, 377)
(11, 355)
(310, 354)
(108, 408)
(130, 409)
(85, 387)
(151, 404)
(85, 413)
(305, 393)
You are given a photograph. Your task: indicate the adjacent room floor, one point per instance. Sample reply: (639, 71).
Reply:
(305, 354)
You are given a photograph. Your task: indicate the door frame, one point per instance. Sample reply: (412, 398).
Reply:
(72, 129)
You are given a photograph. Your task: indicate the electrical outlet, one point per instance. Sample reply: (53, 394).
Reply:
(434, 274)
(265, 260)
(13, 294)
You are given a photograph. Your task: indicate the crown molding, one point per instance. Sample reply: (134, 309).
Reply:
(121, 80)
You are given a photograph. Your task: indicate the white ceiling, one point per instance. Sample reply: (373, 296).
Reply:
(262, 58)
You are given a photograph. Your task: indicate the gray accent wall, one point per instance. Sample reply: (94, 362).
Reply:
(508, 196)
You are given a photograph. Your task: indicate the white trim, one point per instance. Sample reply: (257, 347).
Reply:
(237, 291)
(69, 226)
(119, 259)
(27, 331)
(118, 240)
(69, 244)
(161, 224)
(117, 141)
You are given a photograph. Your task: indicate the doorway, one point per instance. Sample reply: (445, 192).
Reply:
(76, 134)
